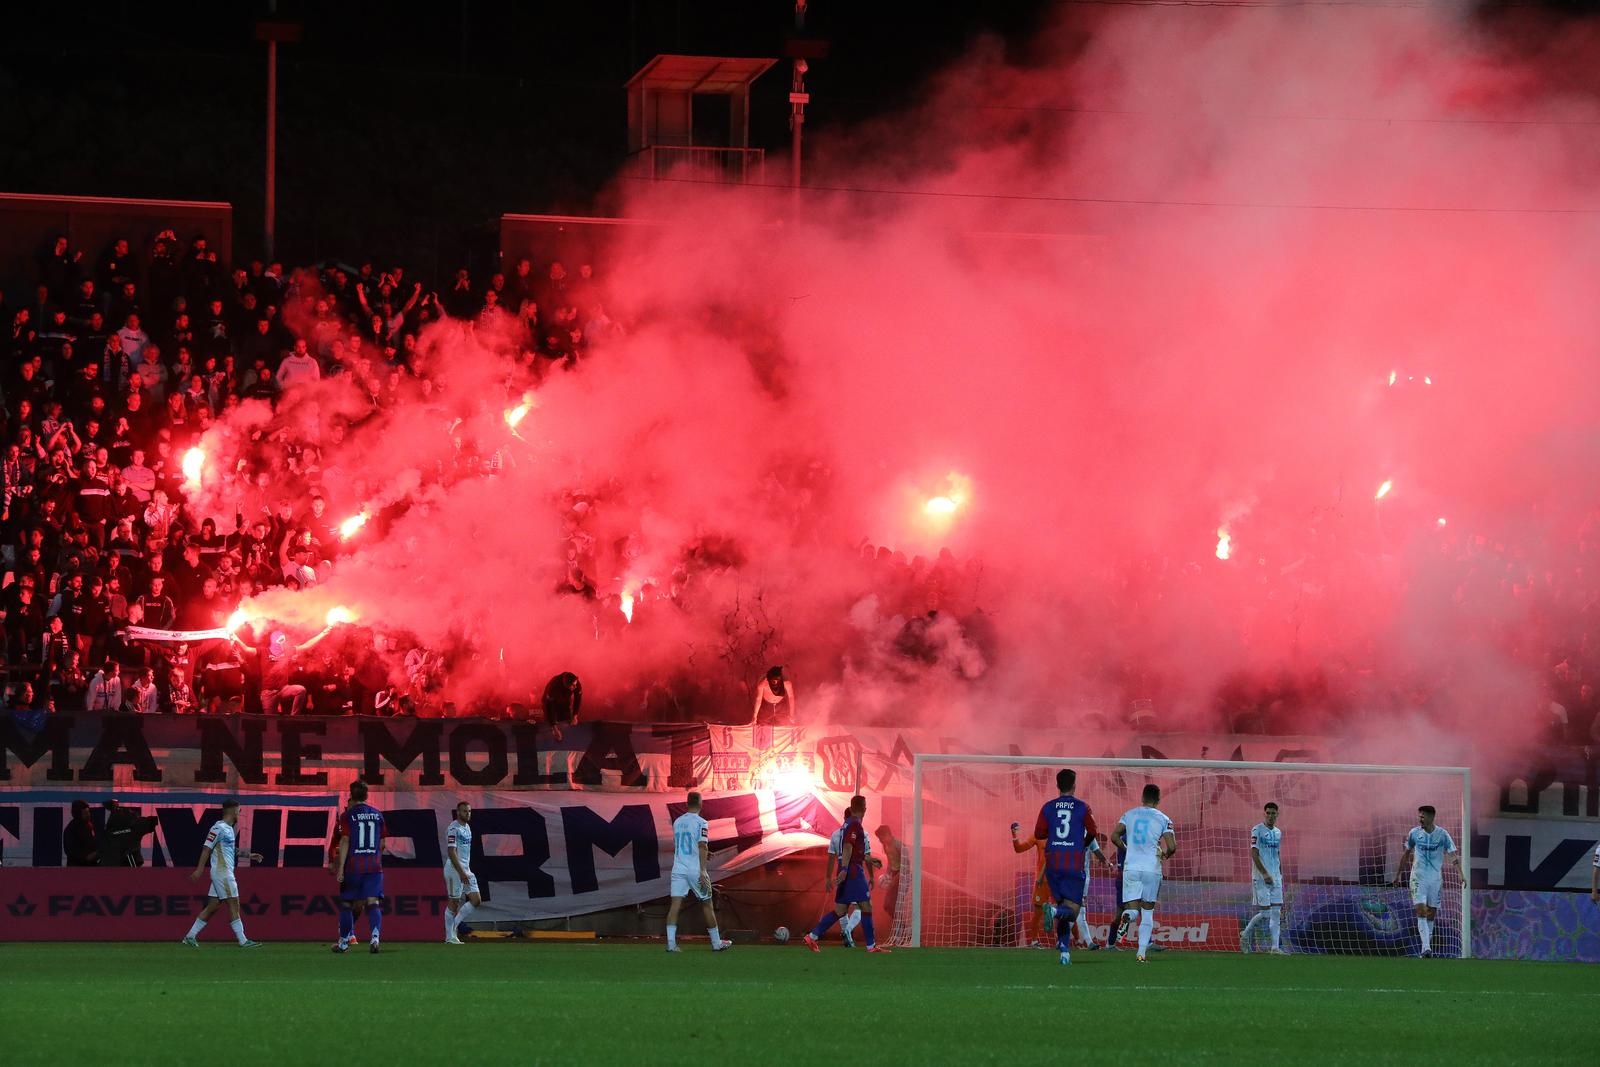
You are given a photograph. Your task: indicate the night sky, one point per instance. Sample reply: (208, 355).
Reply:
(405, 130)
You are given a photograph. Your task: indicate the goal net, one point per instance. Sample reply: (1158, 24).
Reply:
(1343, 835)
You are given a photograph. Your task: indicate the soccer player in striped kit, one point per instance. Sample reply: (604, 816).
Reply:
(1066, 827)
(360, 863)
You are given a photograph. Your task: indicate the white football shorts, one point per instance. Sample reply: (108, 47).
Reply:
(1266, 895)
(224, 886)
(454, 887)
(1140, 885)
(1426, 890)
(686, 885)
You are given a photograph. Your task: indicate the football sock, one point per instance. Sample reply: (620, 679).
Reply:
(1249, 927)
(1272, 925)
(1083, 927)
(375, 919)
(716, 937)
(866, 921)
(347, 923)
(824, 924)
(1147, 920)
(1063, 938)
(238, 930)
(461, 915)
(851, 921)
(672, 936)
(1425, 928)
(199, 924)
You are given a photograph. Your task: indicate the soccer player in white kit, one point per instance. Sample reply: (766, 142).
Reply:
(218, 856)
(1427, 846)
(460, 884)
(1146, 834)
(1266, 879)
(691, 843)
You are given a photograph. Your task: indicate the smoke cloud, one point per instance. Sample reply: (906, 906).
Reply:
(1176, 274)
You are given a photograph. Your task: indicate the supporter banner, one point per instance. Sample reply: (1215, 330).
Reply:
(261, 753)
(158, 904)
(535, 855)
(1532, 832)
(187, 637)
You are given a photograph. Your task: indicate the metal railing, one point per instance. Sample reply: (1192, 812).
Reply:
(699, 163)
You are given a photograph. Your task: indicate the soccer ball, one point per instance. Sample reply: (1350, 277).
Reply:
(781, 934)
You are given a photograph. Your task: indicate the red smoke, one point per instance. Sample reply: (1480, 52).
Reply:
(1284, 206)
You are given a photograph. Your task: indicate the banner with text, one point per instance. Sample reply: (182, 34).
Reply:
(1534, 830)
(536, 856)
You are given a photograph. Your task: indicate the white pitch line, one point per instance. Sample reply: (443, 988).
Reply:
(751, 984)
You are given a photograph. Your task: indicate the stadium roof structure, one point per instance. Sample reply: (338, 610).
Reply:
(699, 74)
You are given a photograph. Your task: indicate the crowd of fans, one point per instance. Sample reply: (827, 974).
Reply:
(115, 366)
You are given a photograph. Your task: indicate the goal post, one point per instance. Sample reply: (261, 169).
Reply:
(1344, 828)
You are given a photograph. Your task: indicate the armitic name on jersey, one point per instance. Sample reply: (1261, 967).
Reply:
(363, 826)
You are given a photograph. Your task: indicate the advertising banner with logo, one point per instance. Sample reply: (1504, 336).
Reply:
(159, 903)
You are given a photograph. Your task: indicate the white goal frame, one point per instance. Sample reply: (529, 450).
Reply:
(922, 760)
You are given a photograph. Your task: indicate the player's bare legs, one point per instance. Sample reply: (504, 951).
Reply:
(672, 923)
(824, 924)
(1425, 917)
(709, 913)
(1147, 923)
(459, 909)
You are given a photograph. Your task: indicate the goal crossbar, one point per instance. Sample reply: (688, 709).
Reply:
(922, 760)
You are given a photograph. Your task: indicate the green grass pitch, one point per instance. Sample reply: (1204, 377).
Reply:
(297, 1005)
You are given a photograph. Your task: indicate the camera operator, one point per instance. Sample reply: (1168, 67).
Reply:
(120, 845)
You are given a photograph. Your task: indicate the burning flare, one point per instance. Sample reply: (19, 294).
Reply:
(1383, 490)
(194, 462)
(515, 415)
(1224, 543)
(339, 614)
(941, 506)
(236, 620)
(627, 605)
(349, 527)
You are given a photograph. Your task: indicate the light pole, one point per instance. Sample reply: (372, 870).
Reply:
(273, 33)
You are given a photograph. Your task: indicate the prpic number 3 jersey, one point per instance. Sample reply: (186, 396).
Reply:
(1267, 841)
(1066, 827)
(363, 826)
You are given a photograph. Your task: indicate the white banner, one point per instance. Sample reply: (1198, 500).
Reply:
(535, 855)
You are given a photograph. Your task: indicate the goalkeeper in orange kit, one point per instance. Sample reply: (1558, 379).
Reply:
(1044, 909)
